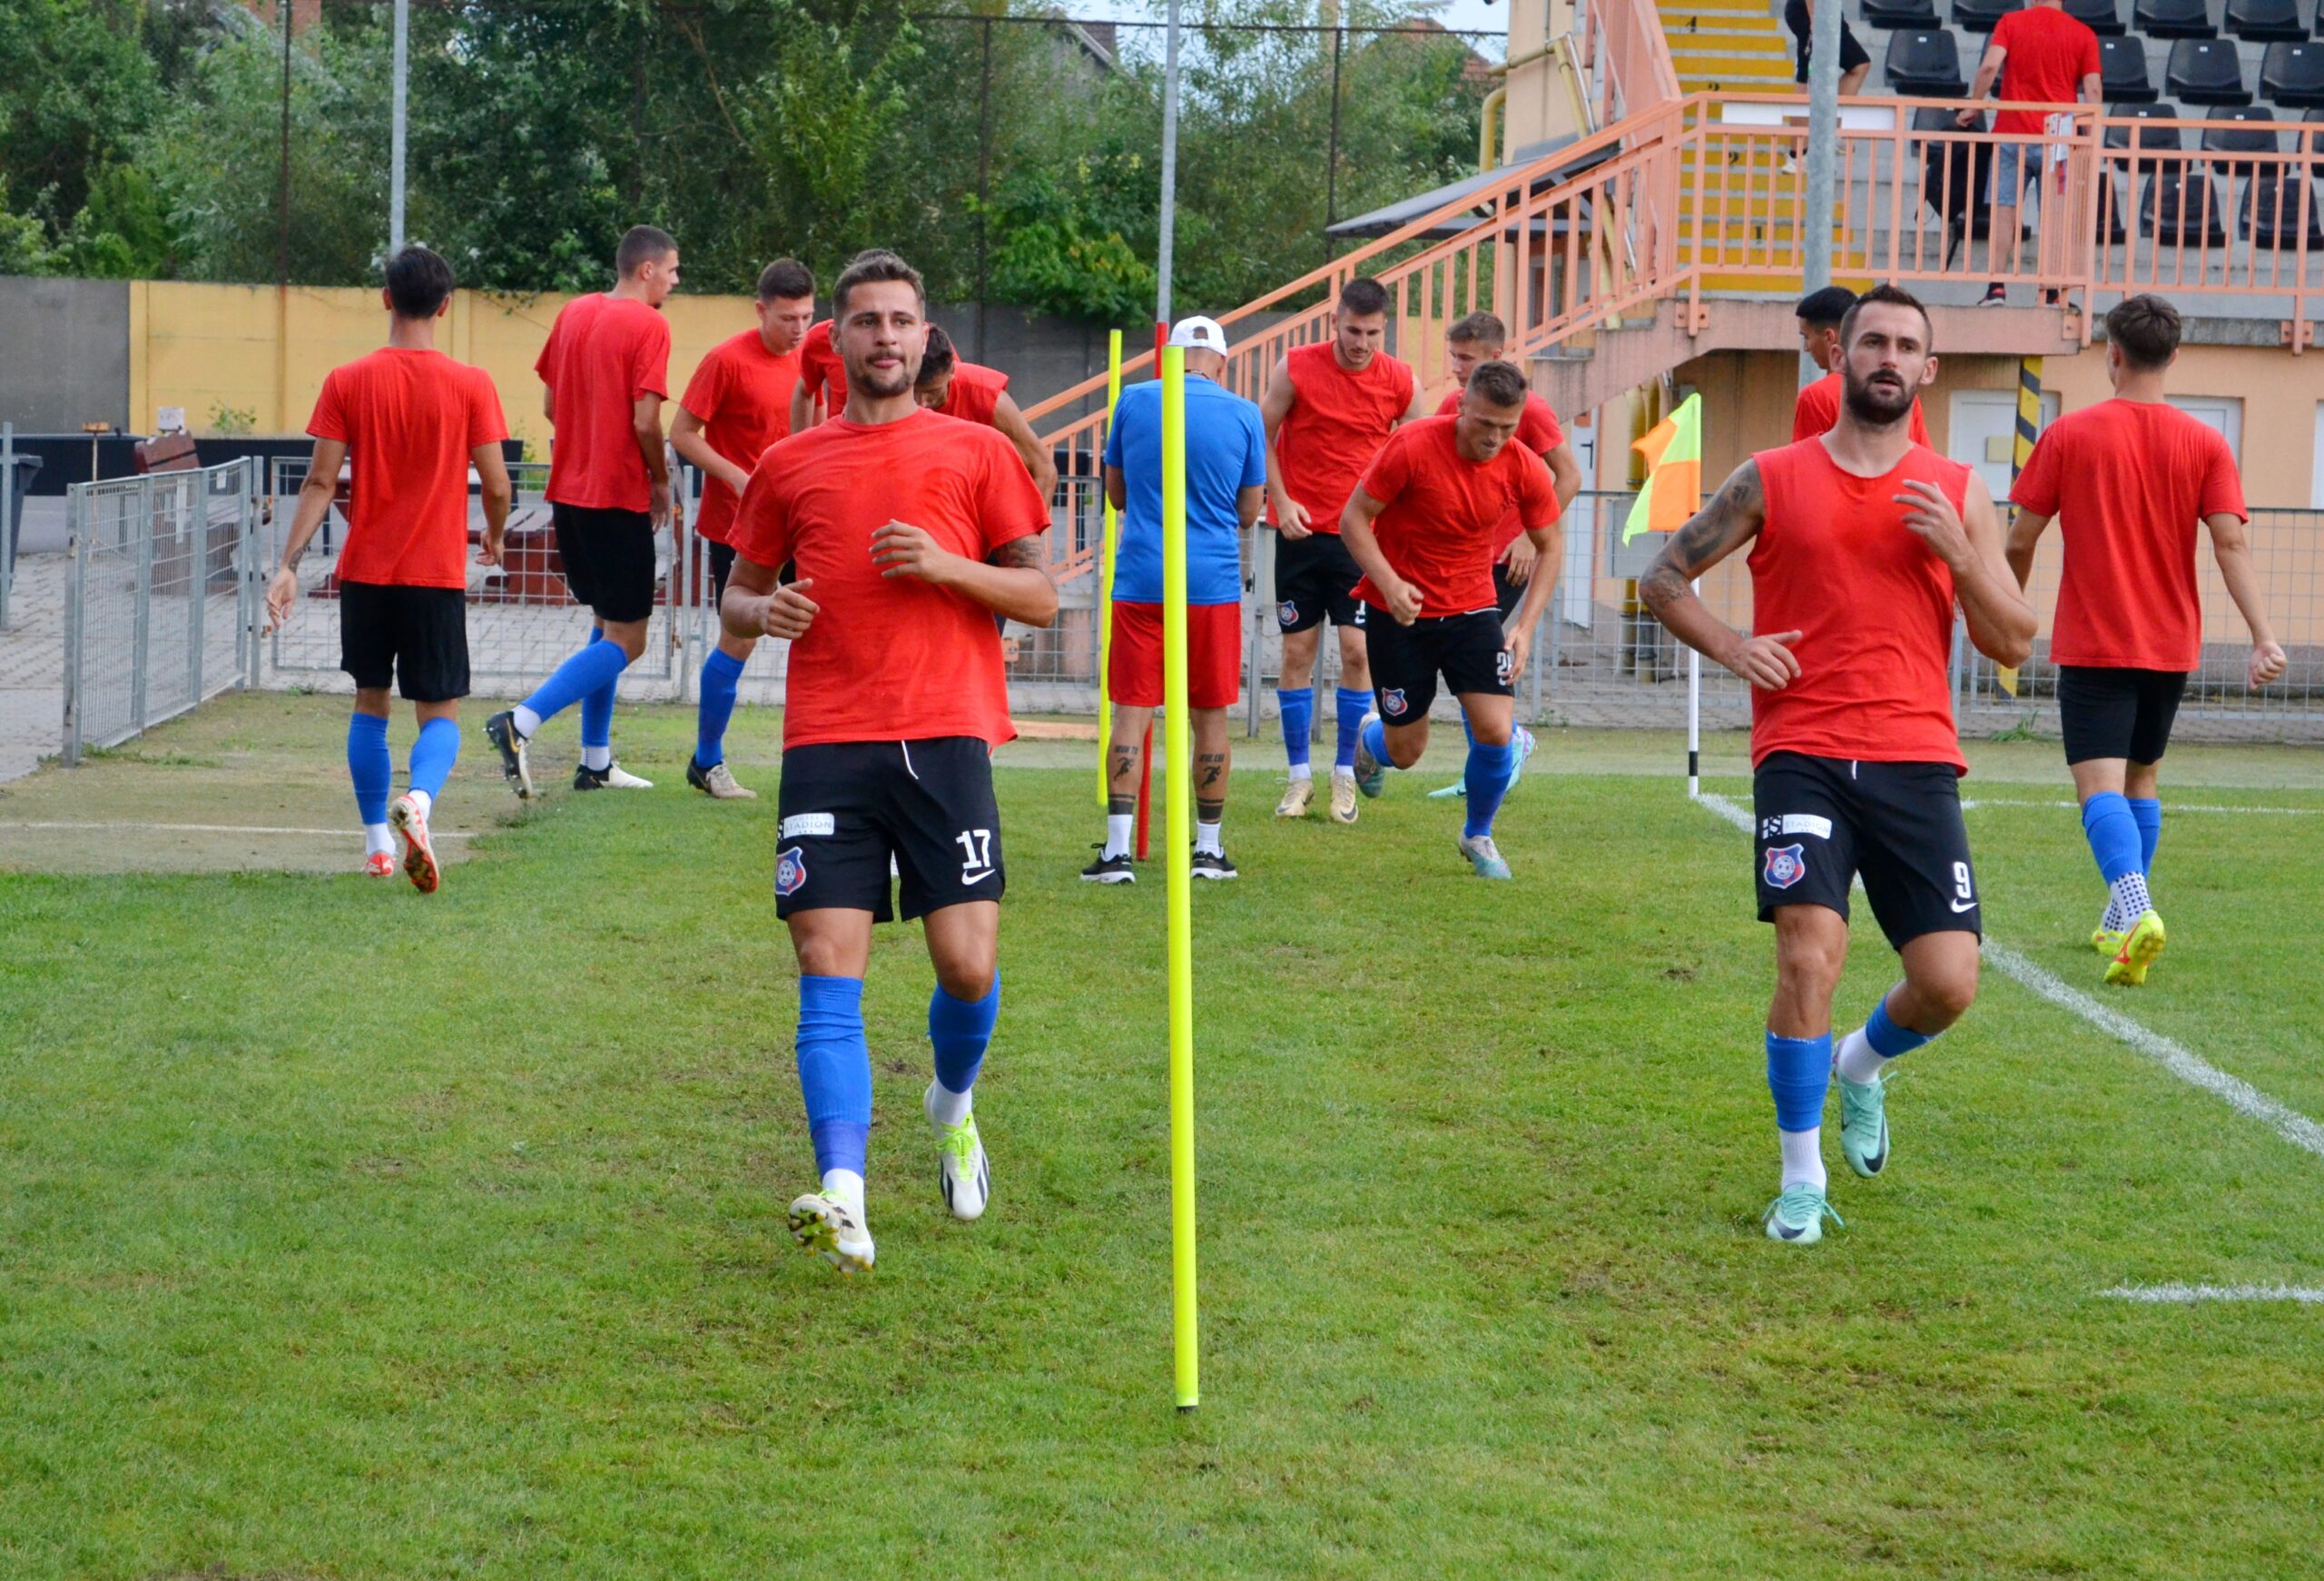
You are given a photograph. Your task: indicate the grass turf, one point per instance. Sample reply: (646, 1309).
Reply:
(354, 1234)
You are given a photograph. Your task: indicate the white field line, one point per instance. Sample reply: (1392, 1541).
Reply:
(216, 829)
(2188, 1295)
(2169, 808)
(2238, 1094)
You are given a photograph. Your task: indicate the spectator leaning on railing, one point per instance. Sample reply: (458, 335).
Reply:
(2042, 56)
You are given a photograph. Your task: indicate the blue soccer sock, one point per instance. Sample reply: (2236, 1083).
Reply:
(959, 1030)
(835, 1071)
(1466, 734)
(722, 673)
(1374, 736)
(432, 756)
(1487, 779)
(1865, 1052)
(2114, 835)
(1353, 707)
(587, 675)
(1799, 1073)
(1298, 706)
(371, 769)
(2147, 812)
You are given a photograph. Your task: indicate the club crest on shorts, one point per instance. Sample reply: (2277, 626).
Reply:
(790, 871)
(1786, 866)
(1287, 612)
(1392, 701)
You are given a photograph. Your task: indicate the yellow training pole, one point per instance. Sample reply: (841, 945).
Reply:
(1106, 548)
(1178, 854)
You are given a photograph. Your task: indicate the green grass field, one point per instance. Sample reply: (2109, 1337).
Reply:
(353, 1234)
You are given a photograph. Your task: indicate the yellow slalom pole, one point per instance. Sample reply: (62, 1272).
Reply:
(1106, 546)
(2029, 426)
(1178, 854)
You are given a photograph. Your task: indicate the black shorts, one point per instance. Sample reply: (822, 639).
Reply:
(721, 566)
(1852, 51)
(1466, 649)
(847, 806)
(609, 557)
(2117, 713)
(1315, 578)
(1507, 595)
(1823, 821)
(416, 638)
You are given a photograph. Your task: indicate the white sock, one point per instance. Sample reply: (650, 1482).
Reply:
(845, 1186)
(596, 760)
(1803, 1158)
(1346, 774)
(1207, 839)
(423, 801)
(526, 721)
(946, 1107)
(2113, 921)
(1118, 833)
(377, 839)
(2131, 899)
(1858, 1061)
(1300, 771)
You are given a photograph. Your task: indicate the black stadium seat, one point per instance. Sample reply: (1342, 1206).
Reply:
(1889, 15)
(2111, 212)
(2172, 18)
(2122, 72)
(1982, 15)
(2103, 18)
(2253, 133)
(2205, 71)
(2263, 21)
(2292, 74)
(1925, 62)
(2271, 209)
(2182, 208)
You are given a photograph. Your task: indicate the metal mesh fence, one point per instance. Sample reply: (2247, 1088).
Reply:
(159, 598)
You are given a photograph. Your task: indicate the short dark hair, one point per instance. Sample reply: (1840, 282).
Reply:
(937, 361)
(874, 266)
(418, 281)
(1887, 296)
(1477, 329)
(786, 280)
(1364, 297)
(642, 245)
(2146, 328)
(1824, 309)
(1498, 382)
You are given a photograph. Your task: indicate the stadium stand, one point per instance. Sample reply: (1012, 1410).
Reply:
(1982, 15)
(2291, 75)
(2122, 74)
(1892, 16)
(2265, 21)
(2173, 19)
(1925, 62)
(2206, 70)
(2103, 18)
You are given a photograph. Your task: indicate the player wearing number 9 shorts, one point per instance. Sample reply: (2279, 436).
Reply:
(1861, 544)
(910, 531)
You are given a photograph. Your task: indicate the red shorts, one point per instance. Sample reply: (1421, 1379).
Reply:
(1213, 656)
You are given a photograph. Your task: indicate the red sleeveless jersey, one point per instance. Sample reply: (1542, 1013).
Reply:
(1872, 603)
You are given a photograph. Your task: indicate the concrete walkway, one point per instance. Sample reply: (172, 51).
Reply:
(32, 666)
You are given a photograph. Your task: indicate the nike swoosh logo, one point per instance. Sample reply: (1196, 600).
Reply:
(1962, 905)
(1787, 1232)
(980, 878)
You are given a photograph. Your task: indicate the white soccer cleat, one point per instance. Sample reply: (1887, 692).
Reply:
(619, 778)
(718, 783)
(1297, 797)
(960, 1168)
(825, 1225)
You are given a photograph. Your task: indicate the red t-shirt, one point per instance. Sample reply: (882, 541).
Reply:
(603, 353)
(820, 369)
(408, 420)
(2048, 54)
(975, 393)
(1817, 413)
(1539, 432)
(2128, 480)
(1873, 605)
(1337, 426)
(742, 393)
(889, 658)
(1444, 511)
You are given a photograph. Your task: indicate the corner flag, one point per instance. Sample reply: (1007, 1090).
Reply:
(1673, 489)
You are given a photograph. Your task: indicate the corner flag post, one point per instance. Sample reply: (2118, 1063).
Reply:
(1108, 546)
(2029, 427)
(1178, 835)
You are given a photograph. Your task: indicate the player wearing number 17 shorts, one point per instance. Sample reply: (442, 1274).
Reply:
(1861, 542)
(911, 531)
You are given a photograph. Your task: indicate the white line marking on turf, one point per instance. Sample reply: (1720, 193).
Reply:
(2168, 808)
(2187, 1295)
(2238, 1094)
(218, 829)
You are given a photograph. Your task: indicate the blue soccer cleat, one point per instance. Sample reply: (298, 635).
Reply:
(1796, 1217)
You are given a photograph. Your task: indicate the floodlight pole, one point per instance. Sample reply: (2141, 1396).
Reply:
(1169, 166)
(398, 125)
(1823, 148)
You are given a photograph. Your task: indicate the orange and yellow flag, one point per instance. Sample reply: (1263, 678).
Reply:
(1673, 489)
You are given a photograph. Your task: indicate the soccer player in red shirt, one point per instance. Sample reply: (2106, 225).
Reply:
(974, 393)
(1329, 408)
(822, 389)
(1424, 525)
(737, 403)
(1861, 543)
(2042, 56)
(909, 532)
(411, 421)
(2127, 480)
(1817, 407)
(604, 373)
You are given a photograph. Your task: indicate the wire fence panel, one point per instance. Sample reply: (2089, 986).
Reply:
(161, 595)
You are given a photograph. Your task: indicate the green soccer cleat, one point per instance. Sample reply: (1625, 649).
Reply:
(825, 1225)
(1525, 744)
(1864, 1124)
(1370, 774)
(2140, 947)
(1485, 856)
(1796, 1217)
(962, 1171)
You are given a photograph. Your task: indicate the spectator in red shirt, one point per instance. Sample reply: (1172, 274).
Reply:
(973, 393)
(2042, 56)
(411, 421)
(2127, 480)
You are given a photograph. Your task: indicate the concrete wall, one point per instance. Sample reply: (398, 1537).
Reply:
(63, 353)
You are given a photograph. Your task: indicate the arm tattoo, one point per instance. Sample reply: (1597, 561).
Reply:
(1733, 514)
(1029, 553)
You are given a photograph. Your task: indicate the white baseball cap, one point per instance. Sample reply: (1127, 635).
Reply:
(1199, 334)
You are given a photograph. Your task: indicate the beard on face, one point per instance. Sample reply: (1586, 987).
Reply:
(880, 385)
(1879, 403)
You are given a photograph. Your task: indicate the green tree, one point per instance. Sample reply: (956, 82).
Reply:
(77, 90)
